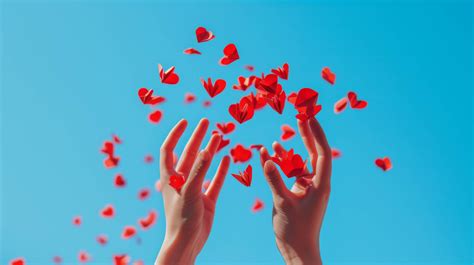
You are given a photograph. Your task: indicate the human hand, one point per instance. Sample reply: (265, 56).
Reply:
(298, 213)
(189, 212)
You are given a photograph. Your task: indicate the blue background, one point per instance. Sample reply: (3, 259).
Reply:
(71, 71)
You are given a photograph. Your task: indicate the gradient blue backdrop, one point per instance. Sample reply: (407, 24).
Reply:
(70, 73)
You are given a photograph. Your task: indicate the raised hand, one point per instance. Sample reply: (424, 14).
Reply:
(189, 212)
(298, 213)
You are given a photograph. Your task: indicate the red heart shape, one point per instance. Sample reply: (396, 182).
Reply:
(335, 153)
(177, 182)
(268, 85)
(84, 257)
(155, 116)
(240, 154)
(354, 102)
(226, 128)
(328, 75)
(257, 206)
(340, 105)
(121, 259)
(77, 220)
(222, 144)
(189, 98)
(287, 132)
(148, 221)
(230, 54)
(143, 194)
(169, 76)
(108, 211)
(18, 261)
(277, 102)
(290, 163)
(203, 35)
(282, 72)
(119, 181)
(128, 232)
(244, 83)
(214, 89)
(384, 163)
(306, 104)
(245, 177)
(102, 239)
(147, 98)
(242, 111)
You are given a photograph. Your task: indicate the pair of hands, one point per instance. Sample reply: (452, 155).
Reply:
(297, 212)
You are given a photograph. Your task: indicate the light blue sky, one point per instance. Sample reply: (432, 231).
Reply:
(70, 74)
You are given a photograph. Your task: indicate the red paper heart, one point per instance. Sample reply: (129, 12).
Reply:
(116, 139)
(230, 54)
(143, 194)
(147, 98)
(287, 132)
(102, 240)
(226, 128)
(290, 163)
(256, 146)
(384, 163)
(277, 102)
(242, 111)
(122, 259)
(177, 182)
(77, 220)
(128, 232)
(148, 221)
(282, 72)
(257, 206)
(155, 116)
(306, 104)
(258, 101)
(192, 51)
(111, 161)
(148, 159)
(268, 85)
(244, 177)
(119, 181)
(169, 76)
(292, 98)
(340, 105)
(244, 83)
(335, 153)
(214, 89)
(84, 257)
(250, 68)
(354, 102)
(203, 35)
(189, 98)
(108, 148)
(240, 154)
(206, 103)
(108, 211)
(222, 144)
(328, 75)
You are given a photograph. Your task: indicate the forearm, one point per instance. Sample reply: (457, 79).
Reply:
(305, 254)
(174, 253)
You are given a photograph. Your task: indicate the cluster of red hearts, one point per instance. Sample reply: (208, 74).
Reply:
(268, 92)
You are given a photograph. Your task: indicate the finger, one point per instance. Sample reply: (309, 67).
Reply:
(192, 147)
(166, 150)
(308, 141)
(196, 178)
(198, 171)
(264, 156)
(274, 180)
(278, 148)
(218, 181)
(324, 164)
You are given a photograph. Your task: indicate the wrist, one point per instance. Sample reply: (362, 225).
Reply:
(300, 254)
(174, 252)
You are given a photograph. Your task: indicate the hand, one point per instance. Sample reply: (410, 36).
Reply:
(298, 213)
(189, 212)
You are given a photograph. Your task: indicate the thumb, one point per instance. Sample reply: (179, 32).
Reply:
(274, 180)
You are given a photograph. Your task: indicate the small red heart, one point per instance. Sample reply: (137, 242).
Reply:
(268, 86)
(354, 102)
(340, 105)
(147, 98)
(203, 35)
(119, 181)
(306, 104)
(192, 51)
(169, 76)
(244, 83)
(143, 194)
(328, 75)
(257, 206)
(250, 68)
(287, 132)
(242, 111)
(177, 182)
(230, 55)
(189, 98)
(282, 72)
(155, 116)
(77, 220)
(226, 128)
(245, 177)
(116, 139)
(148, 159)
(121, 259)
(18, 261)
(148, 221)
(213, 89)
(84, 257)
(335, 153)
(206, 103)
(222, 144)
(128, 232)
(102, 239)
(240, 154)
(277, 102)
(384, 163)
(108, 211)
(290, 163)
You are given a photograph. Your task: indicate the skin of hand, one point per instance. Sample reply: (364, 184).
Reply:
(298, 213)
(189, 212)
